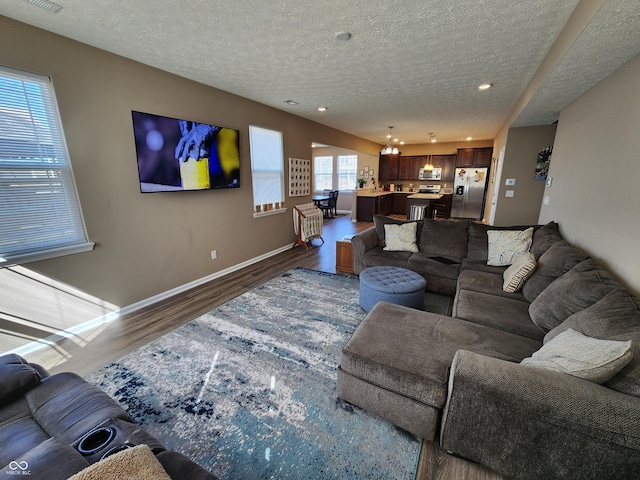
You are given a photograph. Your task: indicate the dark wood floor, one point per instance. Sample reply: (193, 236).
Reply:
(128, 332)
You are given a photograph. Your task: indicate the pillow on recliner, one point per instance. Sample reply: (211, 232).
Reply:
(16, 378)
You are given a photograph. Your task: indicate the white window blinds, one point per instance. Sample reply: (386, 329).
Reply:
(40, 215)
(267, 165)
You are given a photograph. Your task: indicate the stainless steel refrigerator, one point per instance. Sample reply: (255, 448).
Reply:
(468, 192)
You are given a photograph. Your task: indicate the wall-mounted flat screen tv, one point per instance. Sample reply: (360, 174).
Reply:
(176, 154)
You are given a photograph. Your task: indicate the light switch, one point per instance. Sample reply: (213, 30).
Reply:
(509, 193)
(545, 200)
(510, 181)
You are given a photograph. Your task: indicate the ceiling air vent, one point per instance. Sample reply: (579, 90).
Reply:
(46, 5)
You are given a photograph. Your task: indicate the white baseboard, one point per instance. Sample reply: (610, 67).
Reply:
(196, 283)
(51, 340)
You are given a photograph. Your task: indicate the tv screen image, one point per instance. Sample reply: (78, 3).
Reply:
(176, 154)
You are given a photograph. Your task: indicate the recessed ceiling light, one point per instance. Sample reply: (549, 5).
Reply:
(469, 138)
(288, 101)
(343, 36)
(485, 86)
(322, 109)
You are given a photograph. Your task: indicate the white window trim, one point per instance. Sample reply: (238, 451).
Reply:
(275, 207)
(69, 245)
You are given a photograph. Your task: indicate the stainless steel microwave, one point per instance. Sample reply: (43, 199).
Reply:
(435, 174)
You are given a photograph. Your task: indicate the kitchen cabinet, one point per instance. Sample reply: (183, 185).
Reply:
(474, 157)
(409, 167)
(399, 203)
(404, 168)
(448, 168)
(373, 205)
(388, 167)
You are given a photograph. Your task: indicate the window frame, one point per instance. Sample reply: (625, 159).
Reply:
(258, 175)
(37, 186)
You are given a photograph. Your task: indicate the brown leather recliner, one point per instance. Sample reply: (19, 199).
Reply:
(53, 426)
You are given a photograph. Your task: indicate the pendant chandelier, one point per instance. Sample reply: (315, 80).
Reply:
(389, 148)
(429, 165)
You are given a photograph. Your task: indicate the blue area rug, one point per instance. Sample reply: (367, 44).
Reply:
(248, 389)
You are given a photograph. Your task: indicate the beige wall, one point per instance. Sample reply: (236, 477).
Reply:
(521, 149)
(346, 197)
(149, 244)
(595, 194)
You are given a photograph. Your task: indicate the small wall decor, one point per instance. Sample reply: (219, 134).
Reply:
(542, 163)
(299, 177)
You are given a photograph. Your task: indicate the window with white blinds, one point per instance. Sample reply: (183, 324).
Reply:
(40, 215)
(267, 167)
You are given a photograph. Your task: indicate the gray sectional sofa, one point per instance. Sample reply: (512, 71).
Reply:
(458, 380)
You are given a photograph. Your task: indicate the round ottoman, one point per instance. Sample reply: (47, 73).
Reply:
(391, 284)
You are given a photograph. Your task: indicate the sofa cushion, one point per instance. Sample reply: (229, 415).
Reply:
(585, 357)
(486, 282)
(506, 314)
(17, 377)
(505, 246)
(378, 257)
(409, 352)
(67, 407)
(446, 238)
(579, 288)
(544, 237)
(518, 273)
(400, 238)
(379, 221)
(614, 317)
(480, 266)
(557, 260)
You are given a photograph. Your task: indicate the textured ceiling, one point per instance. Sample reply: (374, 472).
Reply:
(412, 64)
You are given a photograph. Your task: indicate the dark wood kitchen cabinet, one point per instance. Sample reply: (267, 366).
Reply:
(370, 206)
(388, 166)
(448, 167)
(474, 157)
(399, 203)
(404, 168)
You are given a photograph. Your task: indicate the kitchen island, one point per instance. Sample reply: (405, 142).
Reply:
(422, 199)
(370, 203)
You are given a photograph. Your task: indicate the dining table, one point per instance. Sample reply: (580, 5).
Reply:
(318, 200)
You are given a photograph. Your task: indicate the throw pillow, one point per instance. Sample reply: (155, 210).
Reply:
(505, 246)
(615, 317)
(581, 356)
(379, 221)
(515, 276)
(400, 238)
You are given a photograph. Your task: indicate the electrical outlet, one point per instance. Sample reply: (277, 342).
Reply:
(214, 254)
(545, 200)
(509, 193)
(510, 181)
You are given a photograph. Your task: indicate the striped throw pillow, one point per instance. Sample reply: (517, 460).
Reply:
(518, 273)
